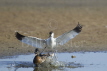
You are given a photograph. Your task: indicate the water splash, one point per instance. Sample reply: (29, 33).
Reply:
(52, 62)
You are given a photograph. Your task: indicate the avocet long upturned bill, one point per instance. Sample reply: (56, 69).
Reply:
(50, 42)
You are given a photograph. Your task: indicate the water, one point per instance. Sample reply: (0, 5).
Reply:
(88, 61)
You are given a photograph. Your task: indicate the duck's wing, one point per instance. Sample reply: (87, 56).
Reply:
(33, 41)
(68, 35)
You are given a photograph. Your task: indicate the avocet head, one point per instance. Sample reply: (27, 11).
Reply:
(51, 34)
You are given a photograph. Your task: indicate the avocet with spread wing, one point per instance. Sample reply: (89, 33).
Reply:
(50, 42)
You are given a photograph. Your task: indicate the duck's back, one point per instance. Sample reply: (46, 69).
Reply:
(37, 60)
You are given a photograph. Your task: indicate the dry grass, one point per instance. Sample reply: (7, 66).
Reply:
(37, 18)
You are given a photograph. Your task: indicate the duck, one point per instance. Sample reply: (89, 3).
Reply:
(40, 58)
(50, 42)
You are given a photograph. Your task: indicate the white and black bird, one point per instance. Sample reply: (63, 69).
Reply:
(50, 42)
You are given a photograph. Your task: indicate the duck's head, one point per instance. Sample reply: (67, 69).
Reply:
(51, 34)
(36, 51)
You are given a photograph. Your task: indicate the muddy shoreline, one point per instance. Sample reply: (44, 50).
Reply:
(24, 51)
(59, 16)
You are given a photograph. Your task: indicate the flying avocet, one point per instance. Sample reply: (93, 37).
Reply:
(50, 42)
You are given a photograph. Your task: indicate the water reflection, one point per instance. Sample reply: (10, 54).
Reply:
(21, 66)
(28, 65)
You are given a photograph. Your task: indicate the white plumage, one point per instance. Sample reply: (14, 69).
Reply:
(51, 42)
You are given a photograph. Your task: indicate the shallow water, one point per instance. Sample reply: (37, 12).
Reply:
(88, 61)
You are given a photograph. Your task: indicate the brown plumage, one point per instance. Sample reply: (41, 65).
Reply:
(39, 58)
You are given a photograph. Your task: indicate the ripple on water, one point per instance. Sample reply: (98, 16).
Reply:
(83, 62)
(54, 63)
